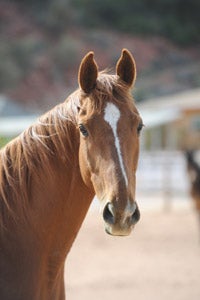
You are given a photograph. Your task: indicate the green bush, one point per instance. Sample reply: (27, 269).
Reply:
(10, 71)
(175, 19)
(3, 141)
(66, 52)
(18, 58)
(26, 50)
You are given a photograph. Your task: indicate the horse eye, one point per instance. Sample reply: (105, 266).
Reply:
(141, 125)
(83, 130)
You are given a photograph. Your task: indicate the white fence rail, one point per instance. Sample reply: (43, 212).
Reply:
(162, 171)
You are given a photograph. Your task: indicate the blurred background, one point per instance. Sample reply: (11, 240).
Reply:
(41, 45)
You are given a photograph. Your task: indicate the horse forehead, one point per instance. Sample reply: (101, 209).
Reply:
(112, 114)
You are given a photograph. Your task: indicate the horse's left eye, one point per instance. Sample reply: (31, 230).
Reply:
(141, 125)
(83, 130)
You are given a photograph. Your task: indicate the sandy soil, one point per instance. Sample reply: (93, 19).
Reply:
(159, 261)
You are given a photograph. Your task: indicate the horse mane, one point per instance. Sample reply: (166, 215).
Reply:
(35, 148)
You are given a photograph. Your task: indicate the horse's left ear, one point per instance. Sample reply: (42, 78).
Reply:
(126, 68)
(88, 72)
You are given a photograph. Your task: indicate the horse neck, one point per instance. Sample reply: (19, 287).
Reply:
(56, 203)
(65, 200)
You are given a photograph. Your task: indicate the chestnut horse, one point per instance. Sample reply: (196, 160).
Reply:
(49, 175)
(193, 169)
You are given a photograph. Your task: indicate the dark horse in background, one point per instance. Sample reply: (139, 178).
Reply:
(193, 169)
(50, 173)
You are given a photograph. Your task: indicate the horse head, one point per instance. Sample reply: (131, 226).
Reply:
(109, 126)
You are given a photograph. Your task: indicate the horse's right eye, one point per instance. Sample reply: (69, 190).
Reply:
(83, 130)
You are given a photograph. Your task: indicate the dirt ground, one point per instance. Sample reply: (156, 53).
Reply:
(159, 261)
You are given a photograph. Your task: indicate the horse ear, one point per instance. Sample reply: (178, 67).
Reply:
(88, 72)
(126, 68)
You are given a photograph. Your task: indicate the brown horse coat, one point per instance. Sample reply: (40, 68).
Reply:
(51, 172)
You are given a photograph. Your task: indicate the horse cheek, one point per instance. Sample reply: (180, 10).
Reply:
(84, 165)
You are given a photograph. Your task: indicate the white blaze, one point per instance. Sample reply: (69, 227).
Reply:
(112, 116)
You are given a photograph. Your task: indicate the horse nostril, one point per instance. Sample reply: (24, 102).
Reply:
(108, 214)
(135, 216)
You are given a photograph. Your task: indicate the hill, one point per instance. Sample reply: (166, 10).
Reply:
(39, 56)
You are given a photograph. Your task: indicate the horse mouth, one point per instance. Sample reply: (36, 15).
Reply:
(117, 231)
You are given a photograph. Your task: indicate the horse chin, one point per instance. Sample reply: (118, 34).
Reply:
(110, 230)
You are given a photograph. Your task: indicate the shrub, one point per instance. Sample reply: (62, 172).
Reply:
(66, 52)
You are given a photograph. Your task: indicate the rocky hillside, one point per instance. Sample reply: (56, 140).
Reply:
(38, 65)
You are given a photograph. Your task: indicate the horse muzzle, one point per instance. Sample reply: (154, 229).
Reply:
(120, 223)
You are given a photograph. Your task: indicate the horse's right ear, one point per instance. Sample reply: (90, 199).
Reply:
(88, 72)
